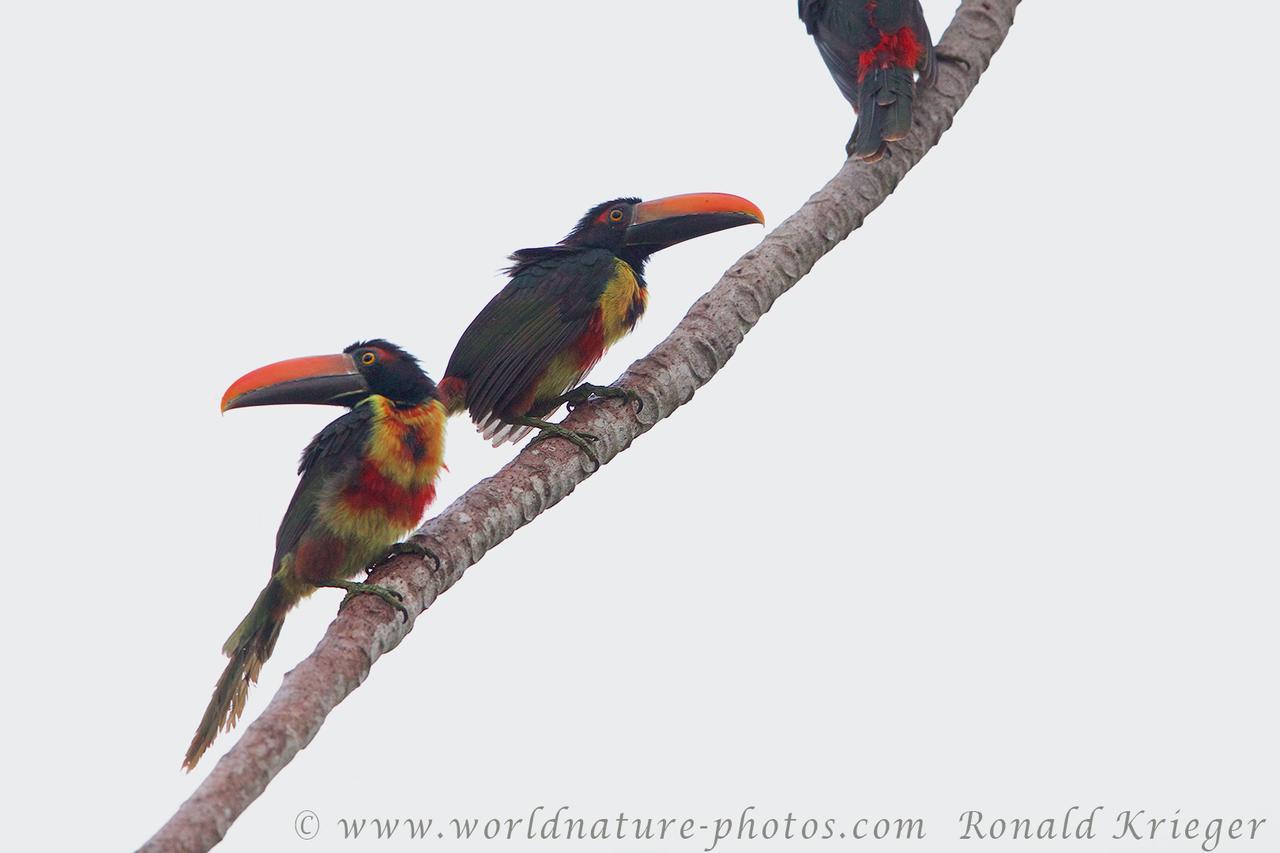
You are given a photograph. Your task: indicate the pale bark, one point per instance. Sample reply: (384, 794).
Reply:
(546, 473)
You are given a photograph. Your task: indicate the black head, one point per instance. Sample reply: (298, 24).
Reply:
(344, 379)
(603, 226)
(391, 372)
(633, 229)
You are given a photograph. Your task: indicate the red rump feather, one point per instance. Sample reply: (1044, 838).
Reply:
(318, 558)
(900, 48)
(453, 394)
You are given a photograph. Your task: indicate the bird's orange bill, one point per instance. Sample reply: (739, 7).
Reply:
(664, 222)
(319, 379)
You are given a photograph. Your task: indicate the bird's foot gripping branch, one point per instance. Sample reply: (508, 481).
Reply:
(582, 440)
(355, 589)
(584, 392)
(400, 549)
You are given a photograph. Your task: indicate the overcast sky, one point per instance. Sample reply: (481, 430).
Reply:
(981, 516)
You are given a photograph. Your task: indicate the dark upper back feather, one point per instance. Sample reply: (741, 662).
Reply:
(546, 307)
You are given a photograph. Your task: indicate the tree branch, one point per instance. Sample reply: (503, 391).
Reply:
(546, 473)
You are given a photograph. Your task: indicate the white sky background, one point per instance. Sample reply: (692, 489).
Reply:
(983, 514)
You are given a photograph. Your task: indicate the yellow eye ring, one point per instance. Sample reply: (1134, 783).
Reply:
(615, 215)
(368, 358)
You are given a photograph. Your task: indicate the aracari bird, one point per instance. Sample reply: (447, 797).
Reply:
(873, 49)
(366, 480)
(564, 306)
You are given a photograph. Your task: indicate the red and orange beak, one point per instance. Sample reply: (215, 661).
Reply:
(664, 222)
(330, 380)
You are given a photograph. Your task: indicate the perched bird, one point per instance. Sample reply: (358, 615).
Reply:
(873, 49)
(366, 480)
(564, 306)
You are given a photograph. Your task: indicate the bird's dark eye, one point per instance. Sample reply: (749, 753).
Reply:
(615, 215)
(367, 357)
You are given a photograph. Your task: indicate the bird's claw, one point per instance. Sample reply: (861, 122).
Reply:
(406, 547)
(633, 398)
(584, 392)
(390, 596)
(583, 440)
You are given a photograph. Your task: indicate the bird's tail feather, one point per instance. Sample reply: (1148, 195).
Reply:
(249, 646)
(499, 432)
(884, 111)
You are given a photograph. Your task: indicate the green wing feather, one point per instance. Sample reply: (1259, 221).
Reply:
(332, 456)
(543, 310)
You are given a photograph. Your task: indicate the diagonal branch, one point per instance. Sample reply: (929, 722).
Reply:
(546, 473)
